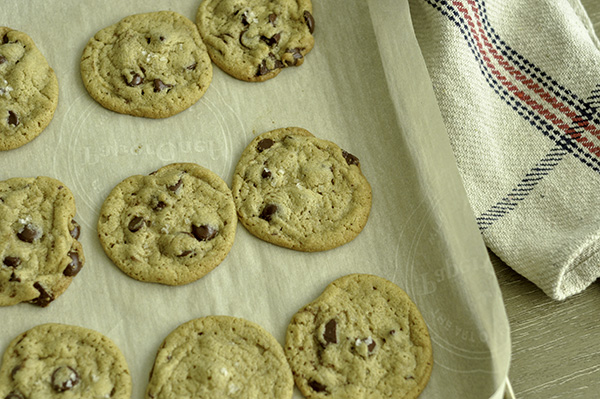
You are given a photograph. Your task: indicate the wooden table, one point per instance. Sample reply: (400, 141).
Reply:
(555, 345)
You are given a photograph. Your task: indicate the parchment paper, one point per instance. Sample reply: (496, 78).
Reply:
(363, 86)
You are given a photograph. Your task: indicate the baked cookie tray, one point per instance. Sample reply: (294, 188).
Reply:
(365, 87)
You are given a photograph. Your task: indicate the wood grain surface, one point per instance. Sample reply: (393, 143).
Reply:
(555, 345)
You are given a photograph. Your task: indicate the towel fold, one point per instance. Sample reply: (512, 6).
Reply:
(518, 86)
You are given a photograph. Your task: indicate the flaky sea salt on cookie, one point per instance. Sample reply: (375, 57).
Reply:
(153, 65)
(54, 361)
(253, 40)
(28, 90)
(300, 192)
(220, 357)
(171, 227)
(39, 249)
(362, 338)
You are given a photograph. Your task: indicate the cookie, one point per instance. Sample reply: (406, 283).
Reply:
(153, 65)
(220, 357)
(253, 40)
(39, 251)
(300, 192)
(361, 338)
(28, 90)
(62, 361)
(171, 227)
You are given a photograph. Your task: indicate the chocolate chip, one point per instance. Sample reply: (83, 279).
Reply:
(160, 206)
(273, 40)
(136, 223)
(13, 119)
(272, 19)
(204, 232)
(350, 159)
(2, 59)
(296, 55)
(266, 173)
(268, 212)
(14, 278)
(310, 21)
(75, 266)
(330, 333)
(159, 85)
(76, 231)
(192, 66)
(185, 253)
(15, 370)
(28, 234)
(263, 69)
(264, 144)
(175, 186)
(12, 261)
(5, 39)
(317, 386)
(14, 395)
(136, 80)
(371, 346)
(64, 378)
(45, 297)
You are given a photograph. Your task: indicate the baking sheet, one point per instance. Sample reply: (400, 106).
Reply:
(363, 86)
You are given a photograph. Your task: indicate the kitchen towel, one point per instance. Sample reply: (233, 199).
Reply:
(518, 86)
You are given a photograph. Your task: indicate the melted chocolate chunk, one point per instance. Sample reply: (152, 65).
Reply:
(76, 230)
(272, 19)
(136, 80)
(310, 21)
(13, 119)
(266, 173)
(159, 85)
(12, 261)
(64, 378)
(296, 55)
(45, 297)
(5, 39)
(136, 223)
(75, 266)
(264, 144)
(271, 41)
(14, 278)
(268, 212)
(330, 333)
(160, 206)
(2, 59)
(317, 386)
(262, 69)
(371, 346)
(28, 234)
(185, 253)
(14, 395)
(350, 159)
(204, 232)
(192, 66)
(175, 186)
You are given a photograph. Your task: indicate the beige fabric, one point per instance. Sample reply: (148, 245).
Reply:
(517, 84)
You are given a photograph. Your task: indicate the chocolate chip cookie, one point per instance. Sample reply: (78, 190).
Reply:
(39, 251)
(171, 227)
(220, 357)
(300, 192)
(63, 361)
(253, 40)
(361, 338)
(153, 65)
(28, 90)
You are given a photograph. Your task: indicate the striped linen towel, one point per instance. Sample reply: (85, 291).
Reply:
(518, 86)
